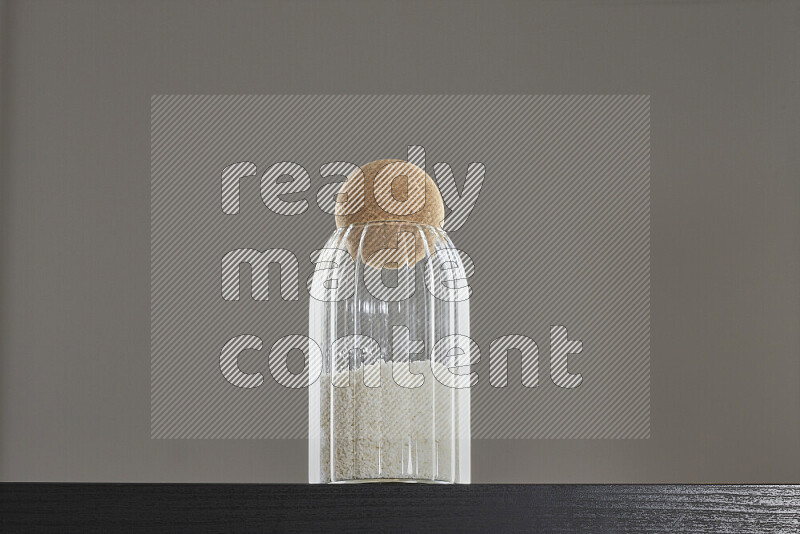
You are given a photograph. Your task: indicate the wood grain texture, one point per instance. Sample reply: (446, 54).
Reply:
(397, 507)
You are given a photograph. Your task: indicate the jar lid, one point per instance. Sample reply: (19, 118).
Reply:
(389, 190)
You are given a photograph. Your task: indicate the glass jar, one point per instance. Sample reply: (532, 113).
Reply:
(389, 309)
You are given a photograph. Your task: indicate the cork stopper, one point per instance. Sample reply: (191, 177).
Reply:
(401, 200)
(389, 190)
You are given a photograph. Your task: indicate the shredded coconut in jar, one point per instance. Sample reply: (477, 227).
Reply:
(391, 431)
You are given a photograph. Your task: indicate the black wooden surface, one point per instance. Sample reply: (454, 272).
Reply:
(397, 508)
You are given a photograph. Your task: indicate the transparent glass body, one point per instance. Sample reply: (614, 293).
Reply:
(389, 310)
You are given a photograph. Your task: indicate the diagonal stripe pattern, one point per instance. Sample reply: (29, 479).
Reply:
(559, 235)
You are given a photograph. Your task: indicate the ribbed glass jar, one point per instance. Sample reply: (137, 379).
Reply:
(389, 309)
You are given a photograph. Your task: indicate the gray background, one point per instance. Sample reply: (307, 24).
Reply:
(74, 308)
